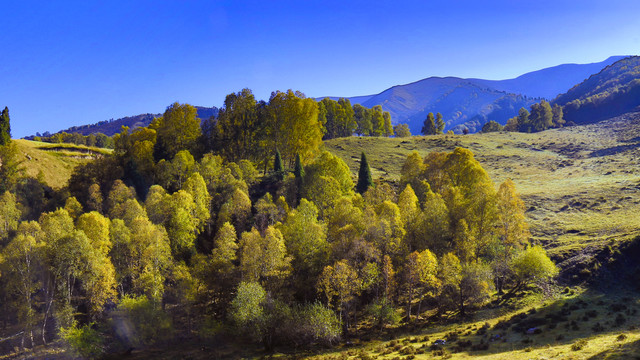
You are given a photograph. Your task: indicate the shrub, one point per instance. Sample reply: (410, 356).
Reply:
(480, 347)
(621, 337)
(317, 323)
(407, 350)
(84, 341)
(383, 313)
(579, 345)
(597, 327)
(149, 322)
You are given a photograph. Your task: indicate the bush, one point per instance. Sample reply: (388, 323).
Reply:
(317, 323)
(383, 313)
(621, 337)
(407, 350)
(579, 345)
(149, 322)
(85, 341)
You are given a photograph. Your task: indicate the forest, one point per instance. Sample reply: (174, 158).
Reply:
(244, 225)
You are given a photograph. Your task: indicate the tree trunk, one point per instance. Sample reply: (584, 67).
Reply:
(461, 303)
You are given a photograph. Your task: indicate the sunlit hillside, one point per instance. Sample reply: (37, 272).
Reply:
(54, 162)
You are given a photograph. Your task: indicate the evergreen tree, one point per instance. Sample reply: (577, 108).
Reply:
(5, 127)
(364, 175)
(439, 124)
(298, 170)
(429, 126)
(278, 169)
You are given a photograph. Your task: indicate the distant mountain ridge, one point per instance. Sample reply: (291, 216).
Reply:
(112, 127)
(470, 103)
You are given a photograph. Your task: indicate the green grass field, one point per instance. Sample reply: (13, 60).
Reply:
(54, 161)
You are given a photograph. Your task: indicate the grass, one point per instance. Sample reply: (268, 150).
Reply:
(578, 326)
(55, 162)
(580, 184)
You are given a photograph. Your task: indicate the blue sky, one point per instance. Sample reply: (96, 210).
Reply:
(77, 62)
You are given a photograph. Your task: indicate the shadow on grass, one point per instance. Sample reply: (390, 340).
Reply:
(630, 350)
(562, 322)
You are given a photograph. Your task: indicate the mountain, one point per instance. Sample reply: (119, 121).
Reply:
(469, 103)
(613, 91)
(549, 82)
(111, 127)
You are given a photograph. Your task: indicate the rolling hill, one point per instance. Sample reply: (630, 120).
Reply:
(613, 91)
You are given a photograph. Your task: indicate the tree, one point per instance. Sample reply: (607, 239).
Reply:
(524, 125)
(293, 126)
(278, 169)
(514, 230)
(388, 127)
(306, 240)
(558, 116)
(298, 170)
(94, 201)
(364, 175)
(429, 126)
(541, 117)
(247, 308)
(19, 262)
(225, 246)
(362, 117)
(463, 284)
(402, 130)
(339, 281)
(239, 129)
(196, 187)
(530, 265)
(10, 170)
(491, 126)
(177, 129)
(9, 215)
(5, 127)
(263, 259)
(439, 124)
(377, 121)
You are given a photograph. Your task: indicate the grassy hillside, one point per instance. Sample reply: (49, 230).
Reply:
(581, 185)
(55, 161)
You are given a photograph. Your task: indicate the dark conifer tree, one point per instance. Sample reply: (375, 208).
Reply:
(429, 126)
(278, 169)
(364, 175)
(439, 124)
(298, 170)
(5, 127)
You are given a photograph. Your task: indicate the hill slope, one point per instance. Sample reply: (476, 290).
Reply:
(55, 161)
(614, 90)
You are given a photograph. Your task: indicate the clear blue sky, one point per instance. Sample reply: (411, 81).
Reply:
(68, 63)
